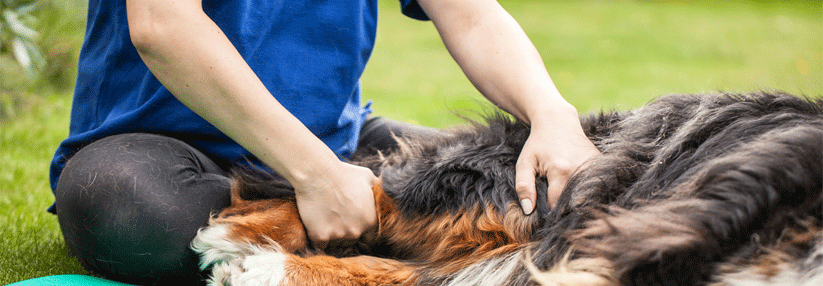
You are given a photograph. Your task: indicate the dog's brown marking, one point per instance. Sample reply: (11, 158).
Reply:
(772, 256)
(450, 242)
(323, 270)
(263, 221)
(277, 220)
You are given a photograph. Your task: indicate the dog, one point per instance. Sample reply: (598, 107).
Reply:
(712, 189)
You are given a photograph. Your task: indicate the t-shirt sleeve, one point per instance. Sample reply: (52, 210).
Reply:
(412, 9)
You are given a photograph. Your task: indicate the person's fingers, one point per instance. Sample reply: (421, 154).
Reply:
(556, 185)
(524, 183)
(337, 217)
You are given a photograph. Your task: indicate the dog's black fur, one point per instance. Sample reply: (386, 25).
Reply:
(684, 183)
(712, 170)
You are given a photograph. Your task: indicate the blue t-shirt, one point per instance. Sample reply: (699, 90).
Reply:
(309, 54)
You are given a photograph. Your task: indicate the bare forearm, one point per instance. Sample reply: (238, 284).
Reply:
(195, 61)
(498, 58)
(504, 65)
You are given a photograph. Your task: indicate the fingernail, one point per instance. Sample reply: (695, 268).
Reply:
(527, 206)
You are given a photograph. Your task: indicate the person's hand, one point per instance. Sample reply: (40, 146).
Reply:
(338, 207)
(554, 150)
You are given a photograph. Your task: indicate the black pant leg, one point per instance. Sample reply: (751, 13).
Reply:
(129, 206)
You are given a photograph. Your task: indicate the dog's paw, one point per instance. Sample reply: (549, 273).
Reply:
(263, 268)
(214, 246)
(238, 262)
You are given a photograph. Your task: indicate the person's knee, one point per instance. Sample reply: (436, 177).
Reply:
(132, 220)
(127, 242)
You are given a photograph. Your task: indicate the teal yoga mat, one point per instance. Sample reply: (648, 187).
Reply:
(68, 280)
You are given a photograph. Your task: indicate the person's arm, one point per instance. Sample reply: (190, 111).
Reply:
(500, 60)
(195, 61)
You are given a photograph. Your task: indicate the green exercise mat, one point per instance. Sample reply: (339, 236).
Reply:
(68, 280)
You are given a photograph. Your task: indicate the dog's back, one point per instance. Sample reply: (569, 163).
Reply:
(696, 189)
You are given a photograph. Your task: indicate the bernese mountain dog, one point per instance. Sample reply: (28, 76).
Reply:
(712, 189)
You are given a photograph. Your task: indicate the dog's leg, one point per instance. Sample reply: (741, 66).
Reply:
(245, 246)
(250, 225)
(254, 243)
(243, 228)
(269, 267)
(674, 241)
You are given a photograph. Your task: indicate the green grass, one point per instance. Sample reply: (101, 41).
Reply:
(610, 54)
(600, 54)
(30, 237)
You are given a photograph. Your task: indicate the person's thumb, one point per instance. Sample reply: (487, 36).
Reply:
(524, 185)
(556, 185)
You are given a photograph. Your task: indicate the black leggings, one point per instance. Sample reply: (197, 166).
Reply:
(129, 205)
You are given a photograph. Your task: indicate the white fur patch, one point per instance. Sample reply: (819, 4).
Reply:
(583, 271)
(813, 266)
(263, 268)
(493, 271)
(800, 273)
(238, 263)
(214, 246)
(750, 277)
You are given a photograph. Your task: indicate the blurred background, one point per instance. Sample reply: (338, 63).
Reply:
(611, 55)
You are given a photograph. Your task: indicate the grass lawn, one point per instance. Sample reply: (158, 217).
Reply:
(612, 55)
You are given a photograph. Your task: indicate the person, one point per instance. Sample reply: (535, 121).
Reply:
(172, 94)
